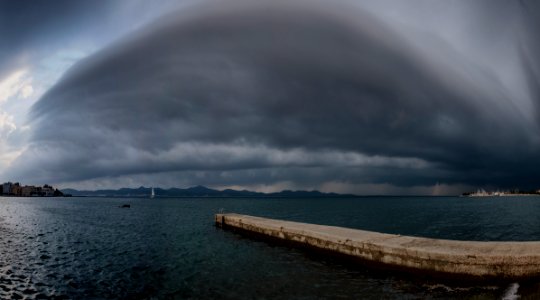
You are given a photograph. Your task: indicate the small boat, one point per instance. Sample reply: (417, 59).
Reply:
(125, 206)
(153, 194)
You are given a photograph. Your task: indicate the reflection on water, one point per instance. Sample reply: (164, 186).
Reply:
(169, 249)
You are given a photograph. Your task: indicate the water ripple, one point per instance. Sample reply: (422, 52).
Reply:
(78, 248)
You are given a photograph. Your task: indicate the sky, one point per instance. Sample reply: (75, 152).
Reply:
(366, 97)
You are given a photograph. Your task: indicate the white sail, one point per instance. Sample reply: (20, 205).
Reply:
(153, 193)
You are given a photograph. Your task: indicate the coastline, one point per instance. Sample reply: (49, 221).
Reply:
(504, 195)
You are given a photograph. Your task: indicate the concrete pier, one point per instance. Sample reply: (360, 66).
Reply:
(482, 260)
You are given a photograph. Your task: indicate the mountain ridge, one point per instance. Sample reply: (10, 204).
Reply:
(195, 191)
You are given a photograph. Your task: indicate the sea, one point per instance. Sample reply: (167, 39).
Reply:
(169, 248)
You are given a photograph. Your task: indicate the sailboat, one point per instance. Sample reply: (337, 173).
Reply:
(153, 194)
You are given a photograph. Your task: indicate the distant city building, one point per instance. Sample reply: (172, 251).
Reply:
(6, 188)
(47, 190)
(15, 189)
(29, 191)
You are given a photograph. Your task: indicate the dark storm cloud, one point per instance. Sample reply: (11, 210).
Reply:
(31, 30)
(26, 24)
(328, 90)
(530, 47)
(24, 20)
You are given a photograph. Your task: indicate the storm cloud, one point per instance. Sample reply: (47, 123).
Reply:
(304, 92)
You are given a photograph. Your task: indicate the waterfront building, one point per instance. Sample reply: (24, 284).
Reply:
(6, 188)
(47, 191)
(29, 191)
(16, 189)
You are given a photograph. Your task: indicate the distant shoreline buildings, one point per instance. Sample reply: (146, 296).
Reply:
(484, 193)
(18, 190)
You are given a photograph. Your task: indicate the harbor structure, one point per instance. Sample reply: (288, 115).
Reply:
(457, 259)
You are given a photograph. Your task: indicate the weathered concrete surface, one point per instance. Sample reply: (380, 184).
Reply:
(476, 259)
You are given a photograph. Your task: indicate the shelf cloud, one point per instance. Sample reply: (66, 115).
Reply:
(305, 92)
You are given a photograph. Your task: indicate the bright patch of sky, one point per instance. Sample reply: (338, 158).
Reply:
(45, 56)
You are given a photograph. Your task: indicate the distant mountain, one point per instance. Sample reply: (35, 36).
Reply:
(197, 191)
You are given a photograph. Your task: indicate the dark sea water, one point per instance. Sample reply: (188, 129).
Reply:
(88, 248)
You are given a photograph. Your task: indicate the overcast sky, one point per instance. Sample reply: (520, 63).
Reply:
(367, 97)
